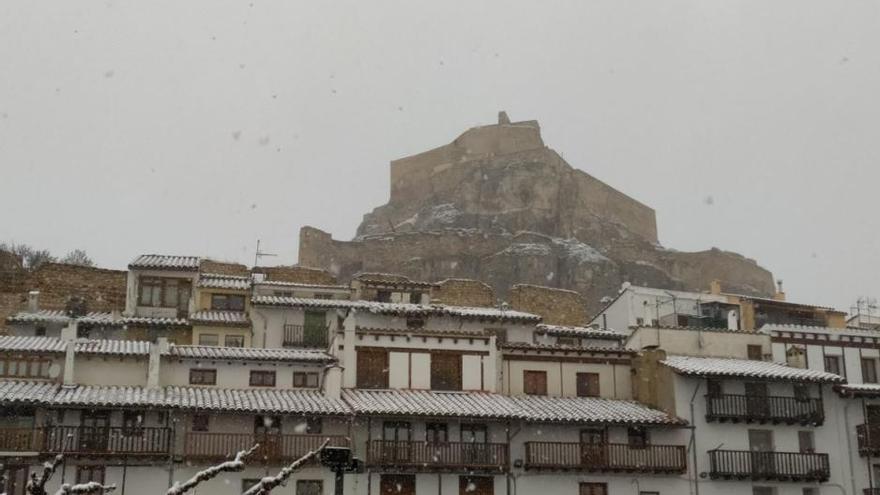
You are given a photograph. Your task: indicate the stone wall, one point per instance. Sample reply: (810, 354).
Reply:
(556, 306)
(297, 274)
(223, 268)
(102, 289)
(463, 292)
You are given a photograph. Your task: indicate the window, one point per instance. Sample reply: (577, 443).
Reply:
(248, 483)
(227, 302)
(445, 371)
(383, 295)
(282, 293)
(199, 376)
(372, 368)
(40, 331)
(164, 292)
(415, 322)
(415, 297)
(309, 487)
(535, 382)
(832, 364)
(640, 321)
(637, 438)
(572, 341)
(587, 384)
(313, 425)
(85, 474)
(869, 370)
(763, 490)
(714, 388)
(233, 341)
(302, 379)
(396, 431)
(133, 423)
(593, 489)
(200, 422)
(436, 433)
(474, 433)
(320, 295)
(806, 442)
(754, 352)
(210, 339)
(262, 378)
(801, 392)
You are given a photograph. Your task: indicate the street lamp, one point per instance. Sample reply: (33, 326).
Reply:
(341, 461)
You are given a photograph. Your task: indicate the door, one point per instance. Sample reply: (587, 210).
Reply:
(16, 480)
(397, 484)
(315, 329)
(476, 485)
(474, 448)
(761, 447)
(593, 450)
(396, 445)
(757, 404)
(267, 432)
(94, 431)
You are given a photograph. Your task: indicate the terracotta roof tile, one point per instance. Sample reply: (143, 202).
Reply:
(745, 368)
(166, 262)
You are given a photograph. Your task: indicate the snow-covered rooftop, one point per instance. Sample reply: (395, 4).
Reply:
(281, 283)
(590, 410)
(581, 332)
(166, 262)
(53, 345)
(221, 318)
(563, 348)
(222, 281)
(94, 318)
(256, 401)
(248, 353)
(430, 403)
(398, 308)
(745, 368)
(771, 328)
(871, 390)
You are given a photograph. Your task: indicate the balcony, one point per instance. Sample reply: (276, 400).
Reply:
(438, 456)
(768, 466)
(771, 409)
(305, 336)
(616, 458)
(80, 440)
(273, 448)
(868, 436)
(871, 491)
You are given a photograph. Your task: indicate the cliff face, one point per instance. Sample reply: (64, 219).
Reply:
(498, 205)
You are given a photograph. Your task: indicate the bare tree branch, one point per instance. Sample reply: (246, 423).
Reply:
(266, 485)
(85, 488)
(234, 465)
(37, 485)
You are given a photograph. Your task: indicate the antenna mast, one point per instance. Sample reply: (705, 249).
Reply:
(260, 254)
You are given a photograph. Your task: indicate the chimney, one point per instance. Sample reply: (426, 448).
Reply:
(33, 301)
(503, 119)
(333, 381)
(780, 294)
(715, 287)
(68, 334)
(156, 351)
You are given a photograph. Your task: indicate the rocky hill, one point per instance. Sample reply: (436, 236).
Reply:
(498, 205)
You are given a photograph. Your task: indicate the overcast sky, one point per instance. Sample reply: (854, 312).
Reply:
(197, 127)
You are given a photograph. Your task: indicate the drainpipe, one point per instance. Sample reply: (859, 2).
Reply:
(696, 489)
(852, 476)
(849, 450)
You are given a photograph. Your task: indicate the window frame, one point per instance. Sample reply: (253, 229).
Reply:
(305, 375)
(200, 423)
(535, 382)
(227, 337)
(316, 487)
(447, 371)
(91, 469)
(253, 381)
(199, 371)
(133, 428)
(214, 336)
(869, 365)
(589, 375)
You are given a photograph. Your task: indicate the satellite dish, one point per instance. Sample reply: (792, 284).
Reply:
(54, 370)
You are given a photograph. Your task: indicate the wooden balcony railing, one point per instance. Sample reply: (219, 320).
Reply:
(868, 436)
(606, 457)
(438, 455)
(305, 336)
(871, 491)
(772, 409)
(769, 466)
(273, 448)
(20, 439)
(107, 440)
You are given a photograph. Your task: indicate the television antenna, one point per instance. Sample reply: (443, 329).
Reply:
(260, 254)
